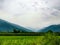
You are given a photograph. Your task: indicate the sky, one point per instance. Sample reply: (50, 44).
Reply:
(35, 14)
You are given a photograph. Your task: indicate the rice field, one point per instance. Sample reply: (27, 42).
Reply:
(29, 40)
(20, 40)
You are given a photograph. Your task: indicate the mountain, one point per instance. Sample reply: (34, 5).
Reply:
(54, 28)
(6, 26)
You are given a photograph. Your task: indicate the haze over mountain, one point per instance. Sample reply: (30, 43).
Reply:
(35, 14)
(6, 26)
(54, 28)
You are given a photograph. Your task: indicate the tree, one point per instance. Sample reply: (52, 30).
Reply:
(50, 39)
(16, 31)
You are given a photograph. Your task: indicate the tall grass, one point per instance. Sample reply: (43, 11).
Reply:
(47, 39)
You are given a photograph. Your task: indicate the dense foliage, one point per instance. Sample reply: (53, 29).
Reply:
(49, 38)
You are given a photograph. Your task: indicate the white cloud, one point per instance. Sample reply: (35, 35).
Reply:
(31, 13)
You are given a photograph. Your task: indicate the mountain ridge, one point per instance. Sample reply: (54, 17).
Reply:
(54, 28)
(6, 26)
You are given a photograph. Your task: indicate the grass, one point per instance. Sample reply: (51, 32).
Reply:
(27, 40)
(20, 40)
(47, 39)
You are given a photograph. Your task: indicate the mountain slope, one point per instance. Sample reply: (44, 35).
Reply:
(54, 28)
(6, 26)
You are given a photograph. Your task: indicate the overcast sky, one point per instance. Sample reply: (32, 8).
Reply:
(35, 14)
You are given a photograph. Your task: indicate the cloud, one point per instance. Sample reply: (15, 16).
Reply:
(55, 4)
(38, 20)
(31, 13)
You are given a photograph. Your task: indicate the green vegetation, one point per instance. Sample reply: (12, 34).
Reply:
(48, 39)
(29, 40)
(19, 33)
(20, 40)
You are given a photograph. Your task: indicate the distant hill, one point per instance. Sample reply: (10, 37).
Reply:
(54, 28)
(6, 26)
